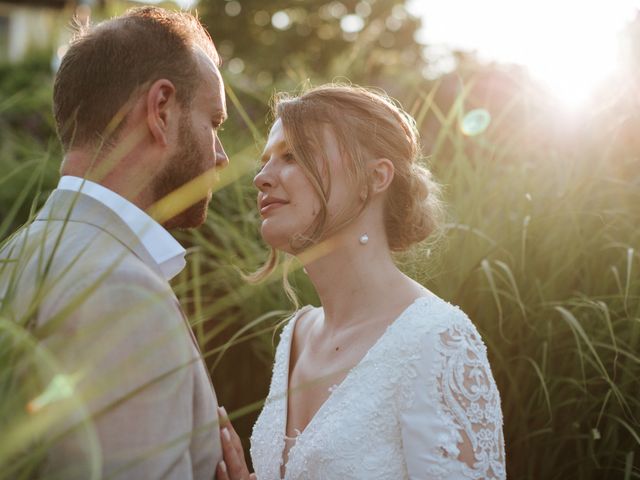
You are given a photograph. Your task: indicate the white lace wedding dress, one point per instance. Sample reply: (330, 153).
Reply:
(422, 392)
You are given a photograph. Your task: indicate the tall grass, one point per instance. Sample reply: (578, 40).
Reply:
(541, 250)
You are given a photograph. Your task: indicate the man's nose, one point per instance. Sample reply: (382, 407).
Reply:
(221, 156)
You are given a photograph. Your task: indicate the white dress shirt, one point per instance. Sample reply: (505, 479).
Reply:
(163, 248)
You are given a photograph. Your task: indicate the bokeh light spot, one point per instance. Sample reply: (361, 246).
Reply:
(392, 23)
(399, 12)
(475, 122)
(281, 20)
(352, 23)
(233, 8)
(337, 10)
(262, 18)
(363, 9)
(236, 65)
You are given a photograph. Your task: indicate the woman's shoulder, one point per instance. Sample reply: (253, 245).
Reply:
(430, 313)
(298, 323)
(431, 322)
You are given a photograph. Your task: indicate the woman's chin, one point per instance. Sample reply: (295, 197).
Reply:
(275, 238)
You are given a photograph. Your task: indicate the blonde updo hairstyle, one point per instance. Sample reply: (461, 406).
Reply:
(366, 125)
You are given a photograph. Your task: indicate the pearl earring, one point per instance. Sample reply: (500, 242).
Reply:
(364, 238)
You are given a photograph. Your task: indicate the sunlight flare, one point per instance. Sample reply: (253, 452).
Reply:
(571, 47)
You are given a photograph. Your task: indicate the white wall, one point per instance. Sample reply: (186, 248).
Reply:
(29, 28)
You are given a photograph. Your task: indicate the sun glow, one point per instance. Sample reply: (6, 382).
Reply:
(569, 45)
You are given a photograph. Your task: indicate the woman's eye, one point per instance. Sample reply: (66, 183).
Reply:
(288, 156)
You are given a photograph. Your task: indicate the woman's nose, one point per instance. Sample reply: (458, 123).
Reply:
(264, 179)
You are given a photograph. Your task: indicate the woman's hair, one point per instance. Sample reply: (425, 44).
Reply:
(367, 125)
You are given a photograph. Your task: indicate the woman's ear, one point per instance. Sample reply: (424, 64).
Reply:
(381, 172)
(163, 113)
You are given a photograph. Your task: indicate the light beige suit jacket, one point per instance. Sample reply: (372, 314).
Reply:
(142, 404)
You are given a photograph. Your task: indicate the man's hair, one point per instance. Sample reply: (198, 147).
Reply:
(109, 63)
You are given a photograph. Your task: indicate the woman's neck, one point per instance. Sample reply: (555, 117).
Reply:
(353, 279)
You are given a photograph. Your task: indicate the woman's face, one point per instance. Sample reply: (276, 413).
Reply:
(287, 201)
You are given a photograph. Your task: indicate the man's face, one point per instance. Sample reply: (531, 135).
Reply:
(199, 149)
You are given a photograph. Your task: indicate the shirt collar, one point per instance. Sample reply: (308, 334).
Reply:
(163, 248)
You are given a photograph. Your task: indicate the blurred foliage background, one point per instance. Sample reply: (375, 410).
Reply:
(542, 241)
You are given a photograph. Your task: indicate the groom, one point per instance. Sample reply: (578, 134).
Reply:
(124, 393)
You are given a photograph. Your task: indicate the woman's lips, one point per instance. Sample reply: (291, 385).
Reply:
(269, 207)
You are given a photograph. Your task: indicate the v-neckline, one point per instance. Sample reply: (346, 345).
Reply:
(337, 387)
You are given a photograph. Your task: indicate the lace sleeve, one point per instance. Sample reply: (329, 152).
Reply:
(452, 425)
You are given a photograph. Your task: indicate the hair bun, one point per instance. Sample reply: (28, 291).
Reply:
(414, 209)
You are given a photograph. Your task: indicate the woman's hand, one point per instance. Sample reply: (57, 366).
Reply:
(234, 466)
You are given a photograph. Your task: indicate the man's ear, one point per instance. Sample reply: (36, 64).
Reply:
(162, 110)
(381, 172)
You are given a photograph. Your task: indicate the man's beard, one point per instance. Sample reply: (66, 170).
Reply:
(183, 166)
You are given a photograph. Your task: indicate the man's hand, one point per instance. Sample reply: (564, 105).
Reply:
(234, 466)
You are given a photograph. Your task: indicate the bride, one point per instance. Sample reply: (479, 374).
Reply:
(385, 380)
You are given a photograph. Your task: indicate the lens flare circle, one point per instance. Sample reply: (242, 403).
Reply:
(475, 122)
